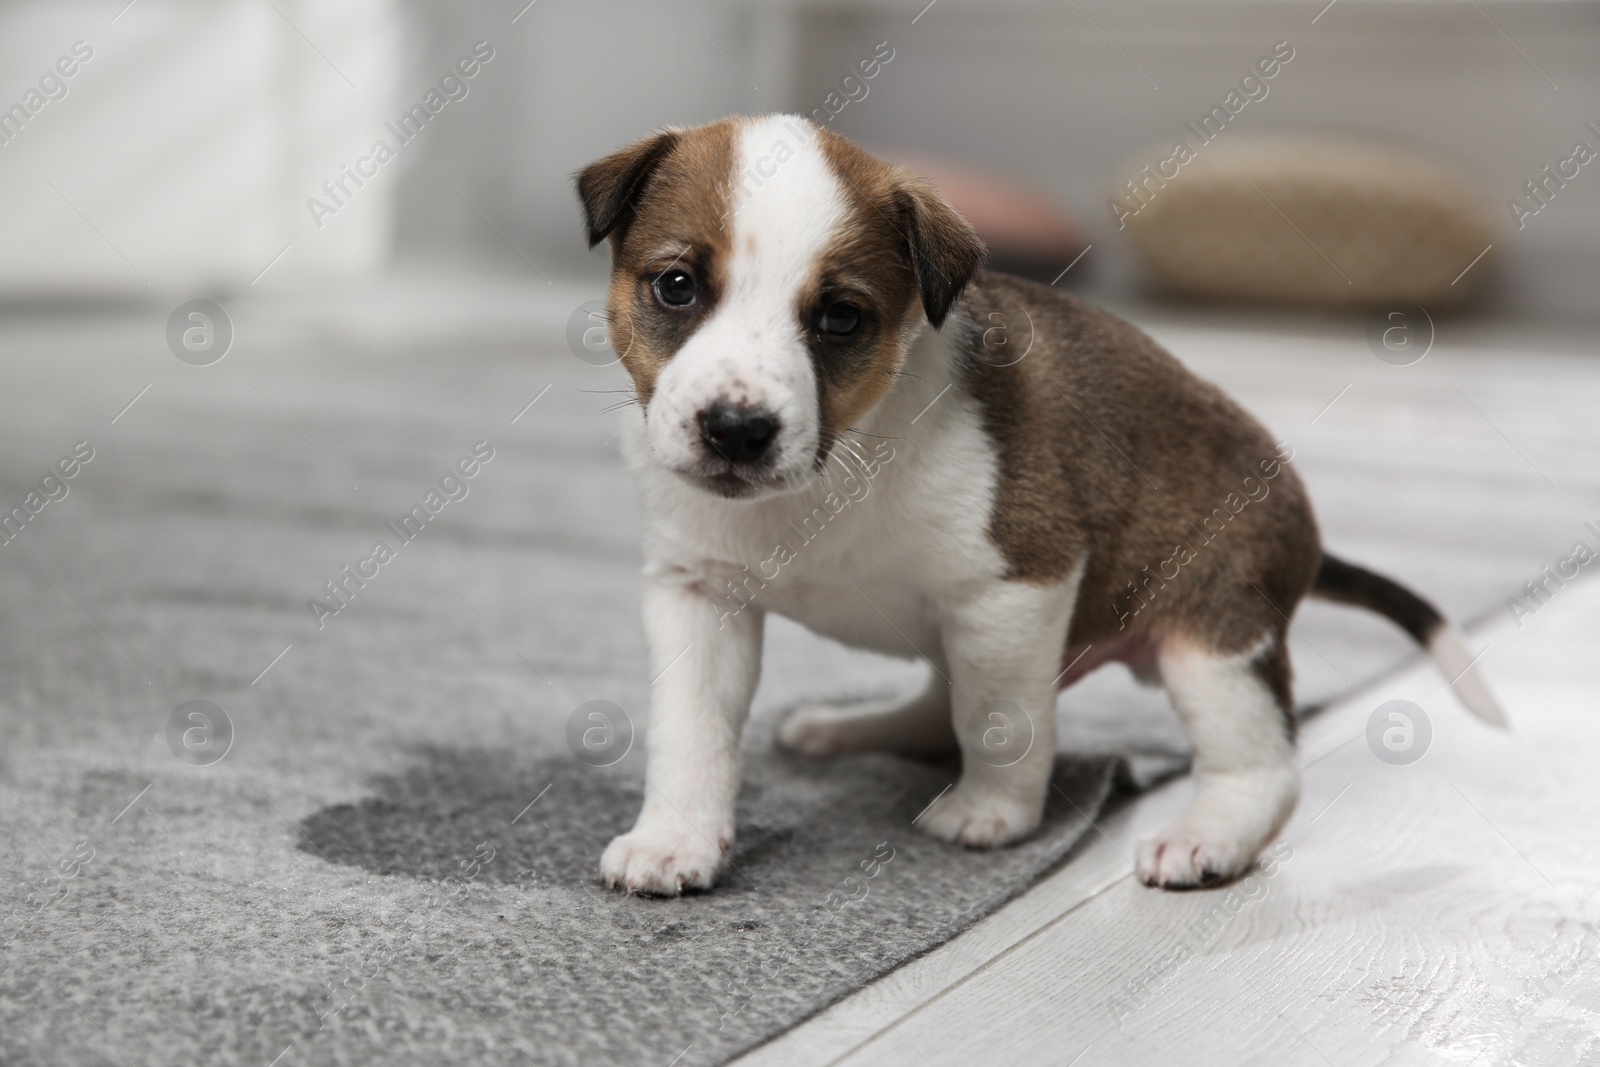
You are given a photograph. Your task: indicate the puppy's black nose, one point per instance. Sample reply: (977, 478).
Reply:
(737, 434)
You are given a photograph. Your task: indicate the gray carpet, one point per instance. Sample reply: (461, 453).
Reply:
(420, 924)
(394, 861)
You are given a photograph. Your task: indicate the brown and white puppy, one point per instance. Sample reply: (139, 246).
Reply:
(842, 419)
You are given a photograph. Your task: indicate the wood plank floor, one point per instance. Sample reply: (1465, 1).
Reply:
(1439, 912)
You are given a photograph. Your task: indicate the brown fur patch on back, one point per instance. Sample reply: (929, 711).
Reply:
(1190, 518)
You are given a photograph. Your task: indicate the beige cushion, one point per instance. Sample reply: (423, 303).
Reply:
(1307, 220)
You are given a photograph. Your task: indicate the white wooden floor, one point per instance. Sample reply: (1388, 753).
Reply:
(1443, 912)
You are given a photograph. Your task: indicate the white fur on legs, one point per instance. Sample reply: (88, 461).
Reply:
(919, 726)
(1246, 780)
(1004, 650)
(705, 676)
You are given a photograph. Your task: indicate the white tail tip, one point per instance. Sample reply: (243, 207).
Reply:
(1449, 649)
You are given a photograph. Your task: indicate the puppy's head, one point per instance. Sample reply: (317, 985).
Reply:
(767, 277)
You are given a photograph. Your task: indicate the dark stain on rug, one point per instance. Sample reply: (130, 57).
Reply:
(428, 819)
(548, 819)
(829, 886)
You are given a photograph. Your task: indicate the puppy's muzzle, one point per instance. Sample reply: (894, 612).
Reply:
(742, 436)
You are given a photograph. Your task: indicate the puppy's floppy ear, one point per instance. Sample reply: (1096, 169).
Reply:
(945, 250)
(608, 187)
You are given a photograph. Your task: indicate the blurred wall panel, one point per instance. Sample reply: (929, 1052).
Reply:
(571, 82)
(184, 148)
(1063, 95)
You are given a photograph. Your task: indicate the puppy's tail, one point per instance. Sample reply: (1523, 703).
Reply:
(1348, 584)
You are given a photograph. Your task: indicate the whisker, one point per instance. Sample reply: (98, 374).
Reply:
(848, 471)
(828, 439)
(620, 404)
(855, 452)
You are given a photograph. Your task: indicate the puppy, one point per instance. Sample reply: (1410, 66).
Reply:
(842, 419)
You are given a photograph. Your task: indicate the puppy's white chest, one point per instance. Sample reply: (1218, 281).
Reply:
(871, 554)
(869, 589)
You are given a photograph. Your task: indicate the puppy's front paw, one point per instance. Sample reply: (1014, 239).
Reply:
(663, 860)
(979, 818)
(1190, 855)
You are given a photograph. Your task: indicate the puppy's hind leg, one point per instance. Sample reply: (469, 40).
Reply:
(1236, 710)
(919, 726)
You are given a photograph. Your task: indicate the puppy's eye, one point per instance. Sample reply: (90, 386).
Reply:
(674, 287)
(839, 319)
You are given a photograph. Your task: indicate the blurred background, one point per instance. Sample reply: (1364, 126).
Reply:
(181, 157)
